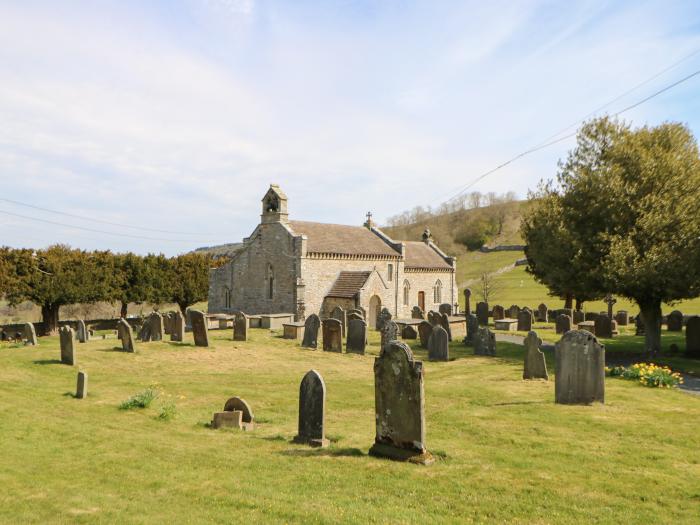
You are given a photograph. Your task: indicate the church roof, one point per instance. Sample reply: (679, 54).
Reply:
(348, 284)
(341, 239)
(422, 255)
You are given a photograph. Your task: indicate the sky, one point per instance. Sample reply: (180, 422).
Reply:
(158, 126)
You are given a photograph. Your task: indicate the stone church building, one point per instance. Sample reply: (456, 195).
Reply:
(299, 267)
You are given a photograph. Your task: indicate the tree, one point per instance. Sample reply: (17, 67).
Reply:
(189, 279)
(488, 287)
(628, 201)
(132, 281)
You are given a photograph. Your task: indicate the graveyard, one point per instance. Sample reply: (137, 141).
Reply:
(502, 449)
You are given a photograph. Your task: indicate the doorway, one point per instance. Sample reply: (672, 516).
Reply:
(421, 301)
(375, 306)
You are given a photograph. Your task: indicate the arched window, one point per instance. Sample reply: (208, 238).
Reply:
(227, 297)
(437, 292)
(270, 281)
(406, 291)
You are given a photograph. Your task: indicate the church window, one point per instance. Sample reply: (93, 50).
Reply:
(390, 272)
(270, 281)
(227, 298)
(406, 292)
(437, 292)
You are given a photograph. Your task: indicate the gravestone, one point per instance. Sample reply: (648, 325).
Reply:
(513, 311)
(383, 317)
(482, 313)
(399, 406)
(639, 328)
(311, 327)
(409, 332)
(498, 313)
(126, 334)
(580, 369)
(357, 336)
(354, 315)
(433, 318)
(542, 313)
(590, 316)
(438, 348)
(332, 335)
(445, 308)
(339, 314)
(484, 342)
(674, 322)
(525, 320)
(240, 326)
(472, 328)
(312, 409)
(156, 324)
(424, 331)
(578, 316)
(467, 302)
(81, 389)
(622, 317)
(692, 337)
(603, 327)
(535, 366)
(417, 313)
(563, 324)
(83, 333)
(445, 323)
(200, 332)
(68, 343)
(29, 334)
(390, 332)
(237, 414)
(178, 327)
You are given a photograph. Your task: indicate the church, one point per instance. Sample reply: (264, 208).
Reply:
(300, 268)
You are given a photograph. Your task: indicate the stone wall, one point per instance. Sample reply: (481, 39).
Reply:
(424, 281)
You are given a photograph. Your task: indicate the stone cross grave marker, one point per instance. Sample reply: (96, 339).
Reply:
(467, 301)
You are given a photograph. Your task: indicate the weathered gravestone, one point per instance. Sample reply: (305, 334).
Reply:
(82, 386)
(417, 313)
(445, 308)
(484, 342)
(622, 317)
(390, 332)
(354, 315)
(590, 316)
(433, 318)
(399, 406)
(513, 311)
(237, 414)
(383, 317)
(578, 316)
(332, 335)
(438, 348)
(83, 333)
(311, 326)
(563, 324)
(68, 343)
(359, 311)
(152, 329)
(339, 314)
(603, 327)
(674, 322)
(240, 326)
(467, 302)
(692, 337)
(126, 335)
(579, 370)
(357, 336)
(424, 331)
(29, 334)
(200, 332)
(542, 313)
(535, 366)
(409, 332)
(312, 410)
(482, 313)
(498, 313)
(178, 327)
(472, 328)
(525, 320)
(445, 323)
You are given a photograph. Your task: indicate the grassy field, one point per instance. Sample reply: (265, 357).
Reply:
(506, 452)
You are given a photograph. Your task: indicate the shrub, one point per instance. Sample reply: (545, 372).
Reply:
(648, 374)
(140, 400)
(168, 411)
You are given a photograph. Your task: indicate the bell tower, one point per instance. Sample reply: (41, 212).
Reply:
(274, 206)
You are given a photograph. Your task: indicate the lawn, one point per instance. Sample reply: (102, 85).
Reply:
(506, 452)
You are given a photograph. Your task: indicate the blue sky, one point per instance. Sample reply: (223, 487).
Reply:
(177, 115)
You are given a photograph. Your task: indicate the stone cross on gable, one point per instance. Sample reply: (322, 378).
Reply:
(610, 301)
(369, 222)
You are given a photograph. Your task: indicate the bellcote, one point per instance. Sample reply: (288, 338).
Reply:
(274, 206)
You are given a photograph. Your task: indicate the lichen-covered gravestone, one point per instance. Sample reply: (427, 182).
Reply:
(240, 327)
(178, 327)
(603, 326)
(200, 332)
(525, 320)
(482, 313)
(674, 322)
(332, 336)
(68, 343)
(417, 313)
(29, 334)
(563, 324)
(357, 336)
(311, 326)
(472, 328)
(126, 334)
(424, 331)
(312, 410)
(438, 348)
(498, 313)
(535, 366)
(399, 406)
(484, 342)
(82, 386)
(237, 414)
(339, 314)
(579, 370)
(83, 333)
(692, 337)
(390, 332)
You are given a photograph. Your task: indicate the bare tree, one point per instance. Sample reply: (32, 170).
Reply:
(488, 287)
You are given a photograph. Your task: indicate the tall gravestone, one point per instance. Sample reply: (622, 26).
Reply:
(622, 317)
(484, 342)
(472, 328)
(357, 336)
(692, 337)
(339, 314)
(542, 313)
(445, 308)
(433, 318)
(81, 388)
(178, 327)
(311, 327)
(417, 313)
(29, 334)
(482, 313)
(200, 331)
(83, 333)
(126, 335)
(240, 326)
(525, 320)
(332, 335)
(467, 302)
(68, 344)
(445, 323)
(674, 321)
(399, 406)
(498, 313)
(424, 331)
(603, 327)
(438, 347)
(156, 324)
(513, 311)
(579, 370)
(563, 324)
(578, 316)
(535, 366)
(312, 410)
(390, 332)
(352, 315)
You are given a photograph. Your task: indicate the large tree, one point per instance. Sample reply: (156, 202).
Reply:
(628, 201)
(132, 280)
(189, 279)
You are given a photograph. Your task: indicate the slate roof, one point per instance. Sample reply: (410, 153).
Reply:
(420, 255)
(348, 284)
(341, 239)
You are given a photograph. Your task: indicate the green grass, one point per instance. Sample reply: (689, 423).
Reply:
(506, 452)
